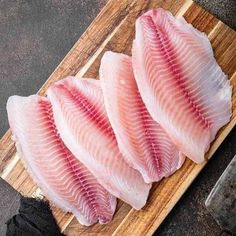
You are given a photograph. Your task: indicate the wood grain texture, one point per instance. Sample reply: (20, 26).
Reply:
(113, 29)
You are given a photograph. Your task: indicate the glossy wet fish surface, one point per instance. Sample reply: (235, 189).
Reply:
(62, 178)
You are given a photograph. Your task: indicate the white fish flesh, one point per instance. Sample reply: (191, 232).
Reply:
(142, 141)
(180, 82)
(84, 127)
(62, 178)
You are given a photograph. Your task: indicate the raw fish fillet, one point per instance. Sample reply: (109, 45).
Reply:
(85, 129)
(64, 180)
(142, 141)
(180, 82)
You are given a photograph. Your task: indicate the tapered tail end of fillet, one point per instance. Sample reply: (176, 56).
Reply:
(181, 161)
(138, 205)
(83, 221)
(178, 163)
(106, 219)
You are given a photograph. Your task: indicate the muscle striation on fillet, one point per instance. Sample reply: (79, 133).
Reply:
(142, 141)
(180, 82)
(85, 129)
(63, 179)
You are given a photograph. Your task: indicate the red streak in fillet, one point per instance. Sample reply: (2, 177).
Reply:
(169, 56)
(92, 113)
(150, 140)
(76, 169)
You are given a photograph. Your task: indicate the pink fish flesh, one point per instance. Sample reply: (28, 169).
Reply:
(84, 127)
(142, 141)
(180, 82)
(64, 180)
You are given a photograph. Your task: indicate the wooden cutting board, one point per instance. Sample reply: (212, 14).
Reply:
(113, 29)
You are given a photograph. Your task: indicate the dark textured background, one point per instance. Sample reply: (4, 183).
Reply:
(34, 38)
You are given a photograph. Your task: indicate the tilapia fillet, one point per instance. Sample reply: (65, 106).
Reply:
(142, 141)
(85, 129)
(180, 82)
(64, 180)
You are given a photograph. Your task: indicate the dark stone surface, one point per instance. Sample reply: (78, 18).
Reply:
(35, 36)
